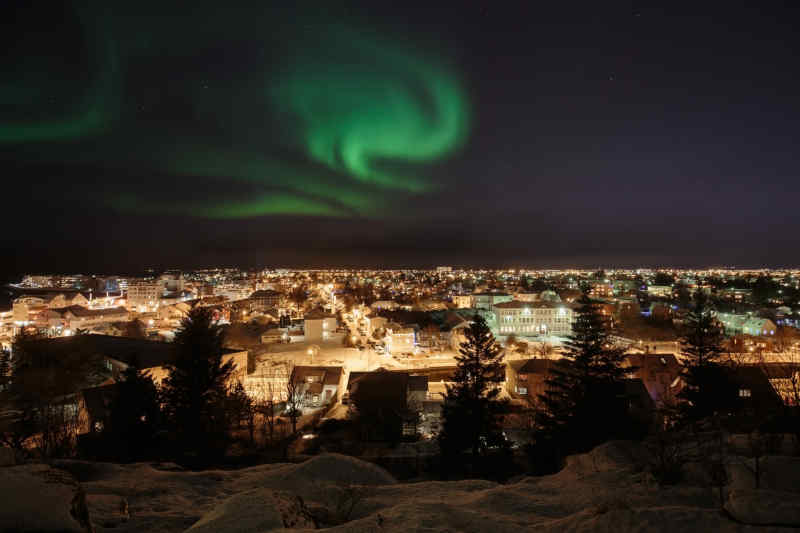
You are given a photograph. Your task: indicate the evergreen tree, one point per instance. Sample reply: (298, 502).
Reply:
(196, 389)
(135, 415)
(5, 369)
(472, 412)
(240, 407)
(705, 380)
(583, 404)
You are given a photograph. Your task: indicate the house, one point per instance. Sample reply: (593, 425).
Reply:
(153, 356)
(737, 324)
(318, 325)
(65, 299)
(462, 301)
(526, 378)
(659, 372)
(661, 311)
(116, 354)
(487, 300)
(94, 406)
(401, 339)
(318, 385)
(416, 385)
(273, 335)
(77, 317)
(376, 323)
(388, 402)
(755, 394)
(453, 327)
(639, 402)
(384, 304)
(736, 295)
(600, 289)
(659, 291)
(269, 381)
(785, 379)
(176, 311)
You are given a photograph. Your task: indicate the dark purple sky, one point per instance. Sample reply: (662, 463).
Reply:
(600, 134)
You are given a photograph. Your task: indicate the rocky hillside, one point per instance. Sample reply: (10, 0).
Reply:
(603, 490)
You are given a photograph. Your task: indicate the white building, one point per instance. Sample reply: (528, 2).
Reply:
(318, 326)
(401, 340)
(526, 319)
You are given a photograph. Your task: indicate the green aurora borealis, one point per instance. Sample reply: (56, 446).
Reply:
(300, 118)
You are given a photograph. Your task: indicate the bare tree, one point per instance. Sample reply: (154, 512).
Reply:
(268, 391)
(43, 391)
(295, 401)
(544, 349)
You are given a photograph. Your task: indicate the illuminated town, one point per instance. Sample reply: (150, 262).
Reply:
(393, 267)
(329, 325)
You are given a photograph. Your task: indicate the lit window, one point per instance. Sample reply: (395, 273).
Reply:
(744, 393)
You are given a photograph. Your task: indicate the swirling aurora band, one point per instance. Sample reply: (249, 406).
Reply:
(359, 117)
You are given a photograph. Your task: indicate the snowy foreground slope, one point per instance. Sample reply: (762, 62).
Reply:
(598, 491)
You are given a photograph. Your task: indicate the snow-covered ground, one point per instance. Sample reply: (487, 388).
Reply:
(602, 490)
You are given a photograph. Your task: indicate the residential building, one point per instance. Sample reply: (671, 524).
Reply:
(395, 398)
(375, 323)
(384, 304)
(755, 394)
(269, 381)
(118, 353)
(785, 379)
(736, 324)
(659, 291)
(600, 289)
(660, 373)
(318, 326)
(736, 295)
(76, 317)
(401, 339)
(526, 377)
(318, 385)
(487, 300)
(462, 301)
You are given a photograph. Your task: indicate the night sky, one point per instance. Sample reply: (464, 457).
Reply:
(187, 134)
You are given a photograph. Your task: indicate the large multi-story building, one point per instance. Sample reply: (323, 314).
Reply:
(265, 299)
(144, 295)
(527, 319)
